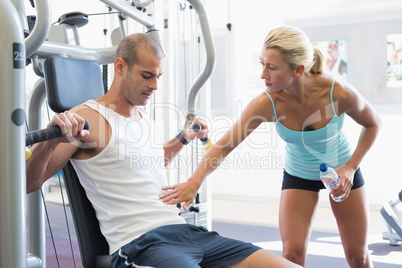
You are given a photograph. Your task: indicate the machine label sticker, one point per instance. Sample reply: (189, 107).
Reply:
(18, 56)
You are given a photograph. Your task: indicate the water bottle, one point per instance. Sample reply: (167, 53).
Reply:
(330, 179)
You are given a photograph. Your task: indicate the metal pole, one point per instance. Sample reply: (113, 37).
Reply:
(130, 11)
(99, 55)
(36, 218)
(12, 135)
(41, 28)
(210, 62)
(19, 6)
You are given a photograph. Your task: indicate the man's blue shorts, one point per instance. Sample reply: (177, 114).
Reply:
(292, 182)
(182, 246)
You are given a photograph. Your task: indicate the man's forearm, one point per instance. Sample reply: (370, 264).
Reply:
(36, 165)
(172, 149)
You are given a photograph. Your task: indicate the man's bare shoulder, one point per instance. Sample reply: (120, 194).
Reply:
(99, 132)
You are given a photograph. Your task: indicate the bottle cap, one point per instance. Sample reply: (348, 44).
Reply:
(323, 167)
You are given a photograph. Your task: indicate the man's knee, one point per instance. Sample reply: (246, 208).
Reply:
(265, 258)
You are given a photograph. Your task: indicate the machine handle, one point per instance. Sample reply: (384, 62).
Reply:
(46, 134)
(205, 140)
(197, 127)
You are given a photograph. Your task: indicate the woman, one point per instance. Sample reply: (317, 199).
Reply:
(308, 108)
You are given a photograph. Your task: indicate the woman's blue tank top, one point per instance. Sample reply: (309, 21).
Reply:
(306, 150)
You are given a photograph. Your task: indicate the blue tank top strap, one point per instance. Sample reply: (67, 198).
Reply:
(332, 101)
(273, 105)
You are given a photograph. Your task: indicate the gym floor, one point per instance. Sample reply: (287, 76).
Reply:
(247, 221)
(257, 223)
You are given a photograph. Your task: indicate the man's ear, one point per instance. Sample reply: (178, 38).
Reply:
(119, 64)
(299, 71)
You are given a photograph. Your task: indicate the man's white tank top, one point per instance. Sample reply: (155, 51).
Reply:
(124, 181)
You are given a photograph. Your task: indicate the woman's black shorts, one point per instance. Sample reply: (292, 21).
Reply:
(292, 182)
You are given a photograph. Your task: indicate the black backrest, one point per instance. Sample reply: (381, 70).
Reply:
(93, 246)
(69, 83)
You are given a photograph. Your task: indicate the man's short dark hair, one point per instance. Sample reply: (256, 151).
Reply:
(129, 47)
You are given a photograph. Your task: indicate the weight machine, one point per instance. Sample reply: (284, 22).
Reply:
(17, 248)
(392, 214)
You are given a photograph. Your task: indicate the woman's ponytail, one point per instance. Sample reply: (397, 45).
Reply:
(318, 62)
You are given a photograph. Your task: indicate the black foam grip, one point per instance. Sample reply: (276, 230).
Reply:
(197, 127)
(46, 134)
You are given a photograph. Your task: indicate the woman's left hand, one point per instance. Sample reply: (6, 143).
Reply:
(345, 184)
(180, 193)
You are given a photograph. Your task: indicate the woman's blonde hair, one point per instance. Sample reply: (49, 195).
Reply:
(296, 48)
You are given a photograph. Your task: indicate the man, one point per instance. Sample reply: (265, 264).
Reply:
(109, 160)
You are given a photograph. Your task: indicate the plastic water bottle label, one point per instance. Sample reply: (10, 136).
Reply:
(327, 182)
(333, 184)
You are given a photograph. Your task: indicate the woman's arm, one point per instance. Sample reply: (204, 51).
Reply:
(256, 112)
(353, 104)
